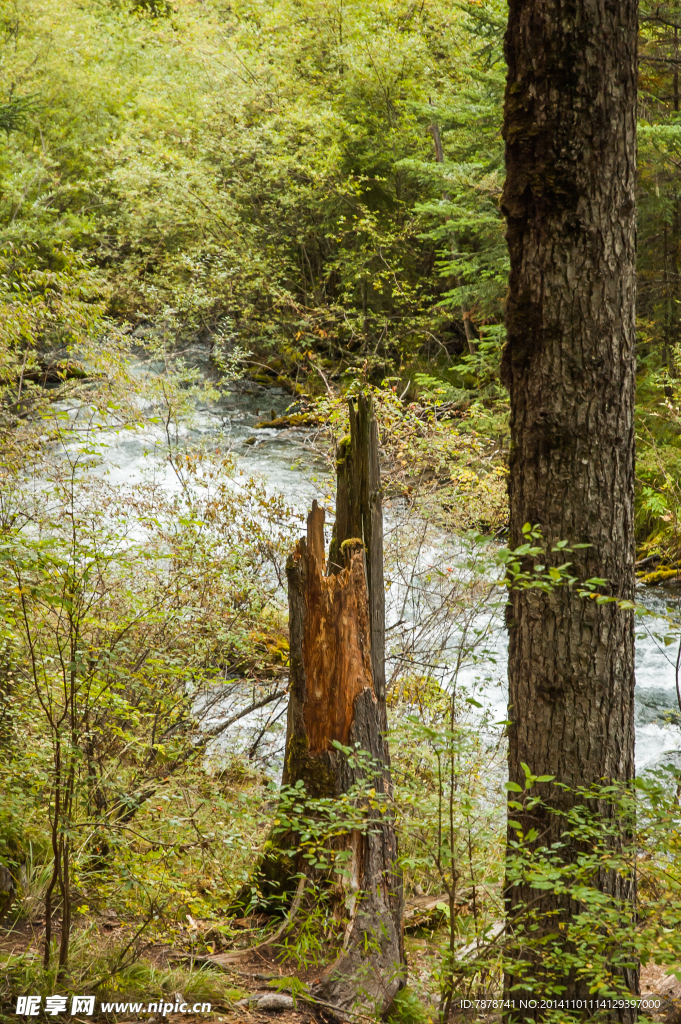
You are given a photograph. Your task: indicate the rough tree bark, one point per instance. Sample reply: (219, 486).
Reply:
(359, 514)
(337, 693)
(570, 132)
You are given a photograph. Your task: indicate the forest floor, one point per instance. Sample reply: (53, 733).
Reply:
(250, 979)
(252, 975)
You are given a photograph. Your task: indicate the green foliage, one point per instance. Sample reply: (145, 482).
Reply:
(453, 837)
(123, 610)
(297, 178)
(608, 933)
(316, 186)
(409, 1009)
(434, 451)
(137, 979)
(271, 177)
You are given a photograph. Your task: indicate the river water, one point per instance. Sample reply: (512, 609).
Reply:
(287, 466)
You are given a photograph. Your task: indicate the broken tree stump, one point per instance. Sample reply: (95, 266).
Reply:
(359, 514)
(337, 694)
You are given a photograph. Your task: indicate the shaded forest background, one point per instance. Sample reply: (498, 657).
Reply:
(304, 177)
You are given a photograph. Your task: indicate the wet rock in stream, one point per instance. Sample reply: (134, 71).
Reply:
(655, 706)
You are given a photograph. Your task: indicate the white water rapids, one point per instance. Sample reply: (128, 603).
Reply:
(280, 458)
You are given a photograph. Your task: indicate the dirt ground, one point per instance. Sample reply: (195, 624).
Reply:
(251, 973)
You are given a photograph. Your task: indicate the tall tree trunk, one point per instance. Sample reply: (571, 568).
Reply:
(569, 363)
(337, 694)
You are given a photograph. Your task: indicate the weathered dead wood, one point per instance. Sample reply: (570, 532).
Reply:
(333, 697)
(359, 515)
(337, 696)
(425, 910)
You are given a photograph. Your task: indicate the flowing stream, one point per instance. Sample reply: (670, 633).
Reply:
(281, 459)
